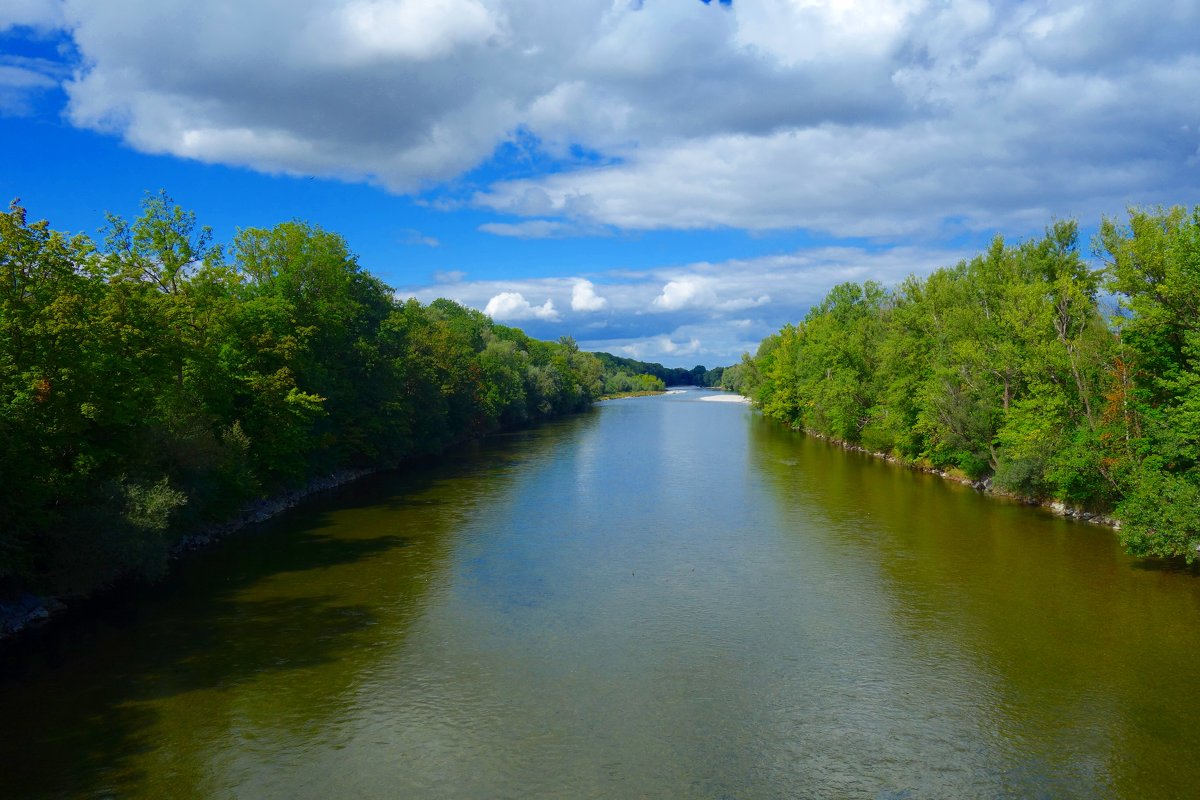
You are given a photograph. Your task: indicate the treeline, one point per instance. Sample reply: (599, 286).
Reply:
(1025, 366)
(158, 382)
(669, 376)
(621, 382)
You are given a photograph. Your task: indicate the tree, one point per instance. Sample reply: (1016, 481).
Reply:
(1154, 266)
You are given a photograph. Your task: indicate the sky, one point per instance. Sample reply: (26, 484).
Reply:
(670, 180)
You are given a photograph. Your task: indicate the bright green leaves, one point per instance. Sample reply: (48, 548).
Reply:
(162, 247)
(995, 366)
(1155, 269)
(1004, 365)
(821, 373)
(155, 386)
(1160, 515)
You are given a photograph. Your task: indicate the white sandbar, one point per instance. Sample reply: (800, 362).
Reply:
(725, 398)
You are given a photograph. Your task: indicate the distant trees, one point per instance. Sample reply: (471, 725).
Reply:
(670, 376)
(1006, 367)
(159, 382)
(619, 382)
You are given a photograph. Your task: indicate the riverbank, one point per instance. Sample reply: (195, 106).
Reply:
(755, 595)
(623, 395)
(985, 486)
(28, 610)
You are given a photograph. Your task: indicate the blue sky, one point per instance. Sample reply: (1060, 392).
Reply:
(666, 179)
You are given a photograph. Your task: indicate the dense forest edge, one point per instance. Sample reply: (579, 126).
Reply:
(158, 384)
(1026, 369)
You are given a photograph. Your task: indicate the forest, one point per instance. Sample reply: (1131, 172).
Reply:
(664, 376)
(157, 382)
(1027, 368)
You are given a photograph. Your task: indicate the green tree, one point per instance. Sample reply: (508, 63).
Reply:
(1154, 267)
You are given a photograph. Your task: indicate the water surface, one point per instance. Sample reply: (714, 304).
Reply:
(663, 598)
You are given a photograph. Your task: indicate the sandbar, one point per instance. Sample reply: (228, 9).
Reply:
(725, 398)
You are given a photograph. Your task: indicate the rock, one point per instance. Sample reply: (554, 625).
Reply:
(21, 613)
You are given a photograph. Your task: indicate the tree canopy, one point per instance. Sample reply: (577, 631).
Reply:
(1008, 368)
(158, 382)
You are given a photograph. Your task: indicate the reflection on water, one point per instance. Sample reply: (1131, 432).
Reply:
(662, 598)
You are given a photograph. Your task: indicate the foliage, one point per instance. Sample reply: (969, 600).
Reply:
(1154, 413)
(1005, 366)
(621, 382)
(669, 376)
(157, 383)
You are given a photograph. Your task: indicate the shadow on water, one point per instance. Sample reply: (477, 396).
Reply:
(135, 695)
(1168, 567)
(105, 668)
(1083, 658)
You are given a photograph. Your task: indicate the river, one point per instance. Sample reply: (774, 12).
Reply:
(663, 597)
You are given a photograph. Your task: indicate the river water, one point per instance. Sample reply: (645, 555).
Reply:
(664, 597)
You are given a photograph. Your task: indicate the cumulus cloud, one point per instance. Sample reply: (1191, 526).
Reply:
(688, 348)
(684, 292)
(701, 292)
(874, 118)
(654, 348)
(512, 306)
(726, 307)
(584, 297)
(366, 31)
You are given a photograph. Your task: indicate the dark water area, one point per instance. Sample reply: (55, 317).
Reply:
(665, 597)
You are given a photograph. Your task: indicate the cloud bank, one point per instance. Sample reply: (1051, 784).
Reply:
(711, 312)
(889, 122)
(878, 118)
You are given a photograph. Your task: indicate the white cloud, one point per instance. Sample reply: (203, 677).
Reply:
(875, 118)
(685, 292)
(799, 31)
(663, 348)
(370, 30)
(22, 80)
(512, 306)
(743, 303)
(702, 293)
(41, 14)
(584, 297)
(743, 299)
(531, 229)
(672, 348)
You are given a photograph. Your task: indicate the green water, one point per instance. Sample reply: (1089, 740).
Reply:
(662, 598)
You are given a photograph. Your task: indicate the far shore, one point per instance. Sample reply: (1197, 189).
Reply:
(639, 393)
(725, 397)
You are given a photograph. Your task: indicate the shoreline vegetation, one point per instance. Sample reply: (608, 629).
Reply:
(624, 395)
(28, 610)
(160, 391)
(1025, 371)
(985, 485)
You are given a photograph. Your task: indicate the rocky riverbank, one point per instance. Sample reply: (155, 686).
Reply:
(985, 485)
